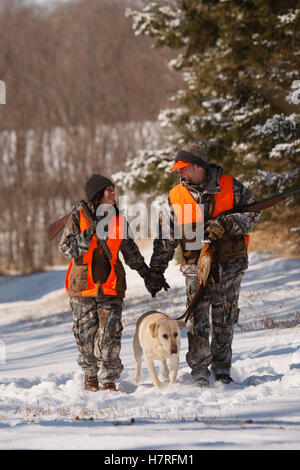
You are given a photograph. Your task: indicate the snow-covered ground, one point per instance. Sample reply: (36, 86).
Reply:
(43, 404)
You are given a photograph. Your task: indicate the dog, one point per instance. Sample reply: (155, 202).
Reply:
(157, 337)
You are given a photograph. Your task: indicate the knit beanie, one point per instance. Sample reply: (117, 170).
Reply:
(95, 184)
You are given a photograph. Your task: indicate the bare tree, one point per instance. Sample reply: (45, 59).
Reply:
(75, 80)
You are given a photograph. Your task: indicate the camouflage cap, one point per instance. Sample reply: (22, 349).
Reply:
(191, 153)
(197, 149)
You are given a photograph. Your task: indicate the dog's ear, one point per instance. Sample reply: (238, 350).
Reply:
(181, 324)
(153, 329)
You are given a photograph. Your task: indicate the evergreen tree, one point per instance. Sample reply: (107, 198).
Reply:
(240, 63)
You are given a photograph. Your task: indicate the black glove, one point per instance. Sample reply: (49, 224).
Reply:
(216, 228)
(155, 281)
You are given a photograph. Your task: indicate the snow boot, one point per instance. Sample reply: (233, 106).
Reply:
(110, 386)
(224, 378)
(201, 381)
(91, 383)
(201, 377)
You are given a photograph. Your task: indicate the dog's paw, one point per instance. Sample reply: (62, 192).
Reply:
(158, 386)
(137, 378)
(165, 373)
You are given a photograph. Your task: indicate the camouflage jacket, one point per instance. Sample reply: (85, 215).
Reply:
(74, 244)
(165, 243)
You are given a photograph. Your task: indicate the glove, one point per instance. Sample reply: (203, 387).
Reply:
(217, 227)
(155, 281)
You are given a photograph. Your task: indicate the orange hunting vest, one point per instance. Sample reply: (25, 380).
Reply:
(223, 201)
(114, 240)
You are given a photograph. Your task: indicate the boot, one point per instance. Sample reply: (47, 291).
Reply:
(110, 386)
(91, 383)
(224, 378)
(201, 378)
(201, 382)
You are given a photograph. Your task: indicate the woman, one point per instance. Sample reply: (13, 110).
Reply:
(96, 282)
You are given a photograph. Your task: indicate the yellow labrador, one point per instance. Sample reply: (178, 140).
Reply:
(157, 336)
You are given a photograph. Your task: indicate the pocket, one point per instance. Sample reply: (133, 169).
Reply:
(85, 333)
(233, 271)
(78, 278)
(100, 266)
(229, 248)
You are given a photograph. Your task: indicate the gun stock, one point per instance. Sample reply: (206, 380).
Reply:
(56, 227)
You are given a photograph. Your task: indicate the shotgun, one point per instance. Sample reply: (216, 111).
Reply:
(58, 225)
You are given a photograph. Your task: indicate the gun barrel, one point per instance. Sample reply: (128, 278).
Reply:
(270, 201)
(290, 192)
(261, 204)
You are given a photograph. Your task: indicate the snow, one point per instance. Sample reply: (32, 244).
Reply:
(43, 404)
(288, 18)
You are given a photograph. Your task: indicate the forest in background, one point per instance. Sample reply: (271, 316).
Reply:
(86, 92)
(82, 95)
(240, 63)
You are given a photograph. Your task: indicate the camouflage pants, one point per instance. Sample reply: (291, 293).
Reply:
(222, 297)
(98, 329)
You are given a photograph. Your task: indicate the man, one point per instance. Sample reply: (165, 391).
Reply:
(204, 183)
